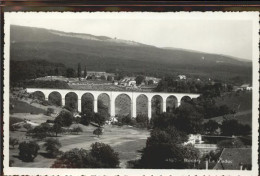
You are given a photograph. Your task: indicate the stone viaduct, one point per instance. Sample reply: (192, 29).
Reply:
(112, 97)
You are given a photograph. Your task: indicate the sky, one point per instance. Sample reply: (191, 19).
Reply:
(220, 34)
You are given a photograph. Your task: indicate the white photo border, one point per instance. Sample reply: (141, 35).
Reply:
(253, 16)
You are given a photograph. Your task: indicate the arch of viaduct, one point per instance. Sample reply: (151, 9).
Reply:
(112, 97)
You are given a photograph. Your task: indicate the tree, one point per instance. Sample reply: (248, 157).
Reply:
(79, 71)
(230, 143)
(232, 127)
(49, 111)
(139, 79)
(188, 119)
(85, 72)
(162, 121)
(86, 117)
(13, 142)
(142, 120)
(28, 150)
(211, 126)
(70, 73)
(76, 130)
(40, 131)
(100, 156)
(150, 82)
(74, 158)
(98, 131)
(56, 128)
(65, 118)
(103, 77)
(27, 126)
(52, 146)
(109, 78)
(164, 149)
(105, 155)
(99, 119)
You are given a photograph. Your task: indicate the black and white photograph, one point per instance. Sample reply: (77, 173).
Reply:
(131, 93)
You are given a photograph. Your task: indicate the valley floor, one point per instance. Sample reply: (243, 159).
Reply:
(124, 140)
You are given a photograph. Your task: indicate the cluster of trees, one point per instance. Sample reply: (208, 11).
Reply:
(31, 69)
(227, 128)
(170, 84)
(46, 84)
(28, 150)
(164, 148)
(141, 121)
(64, 119)
(100, 156)
(209, 108)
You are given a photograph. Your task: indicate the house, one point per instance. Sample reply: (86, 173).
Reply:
(235, 159)
(100, 74)
(246, 87)
(152, 80)
(182, 77)
(128, 81)
(194, 139)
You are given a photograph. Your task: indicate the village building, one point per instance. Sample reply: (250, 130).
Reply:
(243, 87)
(152, 79)
(127, 81)
(182, 77)
(99, 75)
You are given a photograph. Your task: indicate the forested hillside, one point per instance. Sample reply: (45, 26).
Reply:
(102, 53)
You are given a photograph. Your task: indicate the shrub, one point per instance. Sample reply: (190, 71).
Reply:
(232, 127)
(12, 121)
(40, 131)
(27, 126)
(15, 127)
(76, 130)
(49, 111)
(68, 108)
(230, 143)
(142, 121)
(52, 146)
(105, 155)
(98, 132)
(13, 142)
(99, 119)
(86, 117)
(126, 120)
(45, 103)
(65, 118)
(100, 156)
(28, 150)
(57, 128)
(211, 126)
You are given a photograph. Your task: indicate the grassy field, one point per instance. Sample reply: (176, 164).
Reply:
(23, 107)
(124, 140)
(240, 101)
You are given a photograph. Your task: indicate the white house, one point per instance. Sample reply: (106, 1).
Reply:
(182, 77)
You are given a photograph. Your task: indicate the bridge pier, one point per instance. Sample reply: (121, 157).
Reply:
(79, 105)
(63, 101)
(133, 104)
(149, 109)
(164, 105)
(95, 105)
(112, 107)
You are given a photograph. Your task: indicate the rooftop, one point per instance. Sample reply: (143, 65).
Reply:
(232, 158)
